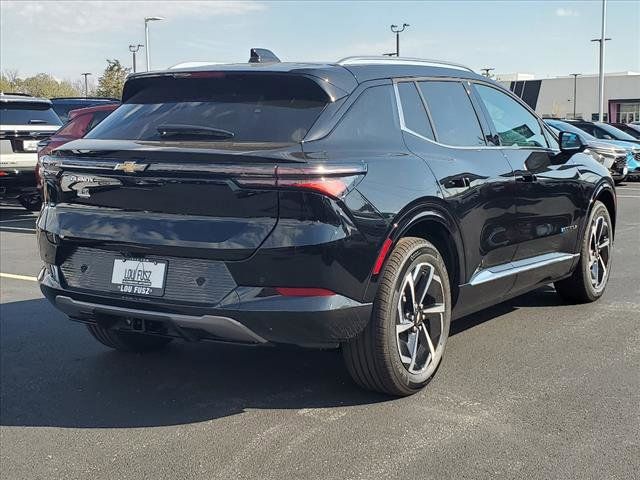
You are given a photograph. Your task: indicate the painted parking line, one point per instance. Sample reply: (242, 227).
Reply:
(628, 196)
(13, 276)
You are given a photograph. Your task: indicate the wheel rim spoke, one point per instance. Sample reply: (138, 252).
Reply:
(403, 327)
(432, 350)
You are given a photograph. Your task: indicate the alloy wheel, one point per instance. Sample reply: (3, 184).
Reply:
(420, 319)
(599, 252)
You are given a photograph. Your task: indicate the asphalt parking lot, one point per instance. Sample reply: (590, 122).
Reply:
(531, 388)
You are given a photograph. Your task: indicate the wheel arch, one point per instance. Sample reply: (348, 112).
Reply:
(605, 193)
(435, 224)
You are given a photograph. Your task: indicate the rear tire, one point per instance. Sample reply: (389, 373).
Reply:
(127, 342)
(32, 202)
(401, 348)
(589, 279)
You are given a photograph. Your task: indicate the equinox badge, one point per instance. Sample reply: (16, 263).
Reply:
(131, 167)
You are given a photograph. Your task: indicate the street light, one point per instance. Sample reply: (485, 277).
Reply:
(86, 85)
(601, 40)
(575, 81)
(146, 36)
(397, 30)
(134, 49)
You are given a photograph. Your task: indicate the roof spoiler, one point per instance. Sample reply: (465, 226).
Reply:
(262, 55)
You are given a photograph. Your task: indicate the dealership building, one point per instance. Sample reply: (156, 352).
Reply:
(554, 97)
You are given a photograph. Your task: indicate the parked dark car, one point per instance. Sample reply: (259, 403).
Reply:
(604, 131)
(629, 129)
(612, 156)
(24, 120)
(80, 122)
(63, 105)
(362, 204)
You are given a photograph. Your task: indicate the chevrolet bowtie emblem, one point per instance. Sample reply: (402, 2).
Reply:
(131, 167)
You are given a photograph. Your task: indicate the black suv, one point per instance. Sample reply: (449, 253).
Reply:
(362, 204)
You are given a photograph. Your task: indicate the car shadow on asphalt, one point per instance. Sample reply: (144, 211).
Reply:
(53, 374)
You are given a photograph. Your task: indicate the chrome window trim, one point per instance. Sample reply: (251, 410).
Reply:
(404, 128)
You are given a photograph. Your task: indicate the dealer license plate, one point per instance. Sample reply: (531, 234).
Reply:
(136, 276)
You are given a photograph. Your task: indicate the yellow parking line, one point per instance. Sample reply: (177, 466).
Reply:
(18, 277)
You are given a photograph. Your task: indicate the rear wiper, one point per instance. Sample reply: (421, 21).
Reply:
(193, 131)
(34, 121)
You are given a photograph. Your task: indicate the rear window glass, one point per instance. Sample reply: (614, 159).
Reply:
(25, 113)
(239, 108)
(455, 121)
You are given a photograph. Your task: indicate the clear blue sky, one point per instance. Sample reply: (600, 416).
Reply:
(540, 37)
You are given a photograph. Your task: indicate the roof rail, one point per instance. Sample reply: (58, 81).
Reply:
(20, 94)
(386, 60)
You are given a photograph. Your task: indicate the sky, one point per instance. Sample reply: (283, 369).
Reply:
(544, 37)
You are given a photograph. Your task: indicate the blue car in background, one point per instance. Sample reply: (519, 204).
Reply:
(619, 157)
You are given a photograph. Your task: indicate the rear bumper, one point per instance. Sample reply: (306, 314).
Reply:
(244, 316)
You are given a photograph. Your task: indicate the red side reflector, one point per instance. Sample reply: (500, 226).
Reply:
(386, 246)
(3, 174)
(304, 292)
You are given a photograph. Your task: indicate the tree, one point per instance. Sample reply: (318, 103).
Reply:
(40, 85)
(112, 80)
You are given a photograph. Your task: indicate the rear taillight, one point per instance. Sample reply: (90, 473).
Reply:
(332, 180)
(39, 178)
(3, 173)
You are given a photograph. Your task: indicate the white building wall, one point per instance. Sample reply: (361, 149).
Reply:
(556, 94)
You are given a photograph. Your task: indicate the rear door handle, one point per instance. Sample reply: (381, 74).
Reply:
(526, 177)
(458, 182)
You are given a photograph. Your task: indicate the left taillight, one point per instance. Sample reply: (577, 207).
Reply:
(331, 180)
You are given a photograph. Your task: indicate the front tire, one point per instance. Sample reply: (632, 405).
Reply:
(590, 277)
(401, 348)
(127, 342)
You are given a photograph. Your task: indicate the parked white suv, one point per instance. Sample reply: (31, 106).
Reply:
(24, 121)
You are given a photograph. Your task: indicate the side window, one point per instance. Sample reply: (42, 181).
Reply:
(454, 118)
(413, 112)
(601, 133)
(97, 118)
(371, 122)
(514, 123)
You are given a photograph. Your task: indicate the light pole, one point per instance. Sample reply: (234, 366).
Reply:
(575, 84)
(397, 30)
(602, 39)
(86, 85)
(146, 36)
(486, 71)
(133, 49)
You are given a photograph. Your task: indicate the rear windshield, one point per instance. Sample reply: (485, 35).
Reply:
(26, 113)
(245, 108)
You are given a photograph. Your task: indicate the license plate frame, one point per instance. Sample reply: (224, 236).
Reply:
(30, 146)
(139, 276)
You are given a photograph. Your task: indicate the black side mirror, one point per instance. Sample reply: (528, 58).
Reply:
(570, 142)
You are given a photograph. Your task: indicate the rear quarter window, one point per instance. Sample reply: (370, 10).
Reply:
(371, 122)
